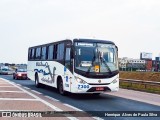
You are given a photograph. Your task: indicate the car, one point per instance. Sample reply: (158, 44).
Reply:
(4, 71)
(20, 74)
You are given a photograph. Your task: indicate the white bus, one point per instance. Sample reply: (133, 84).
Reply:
(75, 66)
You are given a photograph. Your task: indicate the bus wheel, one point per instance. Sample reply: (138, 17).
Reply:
(37, 84)
(61, 88)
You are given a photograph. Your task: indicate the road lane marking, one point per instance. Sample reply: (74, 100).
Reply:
(51, 98)
(26, 88)
(97, 118)
(43, 101)
(13, 91)
(73, 107)
(19, 85)
(22, 99)
(6, 86)
(17, 111)
(36, 91)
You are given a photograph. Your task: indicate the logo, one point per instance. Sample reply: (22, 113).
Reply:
(99, 81)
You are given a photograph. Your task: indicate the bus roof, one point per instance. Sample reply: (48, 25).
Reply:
(94, 41)
(61, 41)
(77, 40)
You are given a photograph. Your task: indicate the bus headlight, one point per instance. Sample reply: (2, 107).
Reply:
(115, 80)
(79, 80)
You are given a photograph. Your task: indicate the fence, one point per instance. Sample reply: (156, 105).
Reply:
(150, 86)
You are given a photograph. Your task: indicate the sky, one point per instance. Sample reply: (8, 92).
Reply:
(133, 25)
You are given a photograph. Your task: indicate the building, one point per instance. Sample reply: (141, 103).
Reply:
(156, 64)
(130, 64)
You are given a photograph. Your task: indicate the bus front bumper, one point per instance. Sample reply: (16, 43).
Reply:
(97, 88)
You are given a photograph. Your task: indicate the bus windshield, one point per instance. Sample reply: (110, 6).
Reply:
(95, 57)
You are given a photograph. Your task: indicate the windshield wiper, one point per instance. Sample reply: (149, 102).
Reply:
(103, 60)
(100, 59)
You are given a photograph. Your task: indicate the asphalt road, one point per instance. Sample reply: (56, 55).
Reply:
(104, 102)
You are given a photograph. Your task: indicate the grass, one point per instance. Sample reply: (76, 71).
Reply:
(146, 76)
(140, 87)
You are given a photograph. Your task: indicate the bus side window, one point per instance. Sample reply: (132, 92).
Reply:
(43, 54)
(32, 54)
(60, 51)
(29, 54)
(38, 53)
(68, 58)
(67, 54)
(50, 52)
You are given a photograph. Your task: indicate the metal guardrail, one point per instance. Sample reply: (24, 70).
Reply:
(140, 81)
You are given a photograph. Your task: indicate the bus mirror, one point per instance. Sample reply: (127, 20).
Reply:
(117, 48)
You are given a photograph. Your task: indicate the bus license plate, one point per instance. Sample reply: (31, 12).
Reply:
(99, 88)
